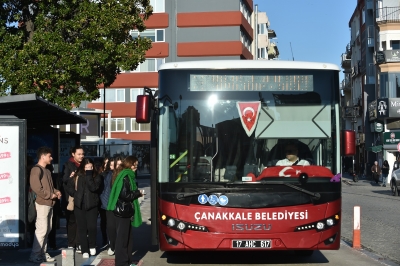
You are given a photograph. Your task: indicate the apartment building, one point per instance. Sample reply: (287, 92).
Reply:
(181, 30)
(371, 91)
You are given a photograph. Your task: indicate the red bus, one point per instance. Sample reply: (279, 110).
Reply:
(219, 180)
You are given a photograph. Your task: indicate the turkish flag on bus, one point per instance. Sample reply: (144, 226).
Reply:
(248, 113)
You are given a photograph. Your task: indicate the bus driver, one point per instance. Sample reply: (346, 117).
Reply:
(291, 152)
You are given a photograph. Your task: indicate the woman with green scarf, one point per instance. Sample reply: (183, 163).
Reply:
(125, 206)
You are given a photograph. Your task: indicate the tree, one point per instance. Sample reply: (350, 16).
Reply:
(64, 50)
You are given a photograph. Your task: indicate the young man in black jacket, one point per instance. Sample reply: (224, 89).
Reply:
(77, 155)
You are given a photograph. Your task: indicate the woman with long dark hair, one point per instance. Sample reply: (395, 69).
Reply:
(385, 172)
(85, 186)
(112, 165)
(125, 206)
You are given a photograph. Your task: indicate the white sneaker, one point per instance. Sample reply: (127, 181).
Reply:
(78, 249)
(48, 258)
(110, 252)
(92, 251)
(85, 255)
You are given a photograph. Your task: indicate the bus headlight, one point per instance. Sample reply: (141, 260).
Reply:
(320, 225)
(329, 222)
(180, 225)
(324, 224)
(171, 223)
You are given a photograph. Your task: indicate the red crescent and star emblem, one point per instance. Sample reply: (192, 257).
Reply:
(248, 113)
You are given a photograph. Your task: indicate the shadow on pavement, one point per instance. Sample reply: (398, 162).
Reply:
(243, 257)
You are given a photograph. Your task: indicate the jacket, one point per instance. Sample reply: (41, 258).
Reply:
(86, 195)
(385, 169)
(376, 169)
(68, 168)
(126, 193)
(105, 194)
(44, 188)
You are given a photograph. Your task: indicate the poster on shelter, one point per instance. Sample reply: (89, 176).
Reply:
(39, 138)
(9, 186)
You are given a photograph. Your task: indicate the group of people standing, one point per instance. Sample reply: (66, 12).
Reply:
(110, 192)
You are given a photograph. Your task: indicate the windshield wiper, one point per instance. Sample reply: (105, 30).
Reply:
(313, 194)
(180, 196)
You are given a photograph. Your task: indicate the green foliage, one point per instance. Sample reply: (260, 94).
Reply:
(63, 50)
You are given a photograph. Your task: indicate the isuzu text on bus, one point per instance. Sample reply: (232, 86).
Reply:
(218, 130)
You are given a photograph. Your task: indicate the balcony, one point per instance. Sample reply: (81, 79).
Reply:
(273, 51)
(388, 15)
(371, 36)
(346, 62)
(346, 83)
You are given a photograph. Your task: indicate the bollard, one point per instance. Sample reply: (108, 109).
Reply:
(357, 228)
(53, 263)
(68, 256)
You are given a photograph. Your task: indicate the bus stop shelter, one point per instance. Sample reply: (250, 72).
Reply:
(25, 121)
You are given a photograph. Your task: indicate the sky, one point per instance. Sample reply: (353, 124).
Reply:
(310, 30)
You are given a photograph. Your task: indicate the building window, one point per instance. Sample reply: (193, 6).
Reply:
(245, 11)
(395, 45)
(150, 65)
(245, 40)
(154, 35)
(136, 92)
(139, 127)
(117, 124)
(158, 5)
(363, 16)
(112, 95)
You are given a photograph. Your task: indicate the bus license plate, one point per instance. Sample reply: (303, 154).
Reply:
(251, 243)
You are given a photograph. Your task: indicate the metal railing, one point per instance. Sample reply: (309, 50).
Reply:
(388, 14)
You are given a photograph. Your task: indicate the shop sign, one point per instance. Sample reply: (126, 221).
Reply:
(378, 127)
(372, 110)
(391, 137)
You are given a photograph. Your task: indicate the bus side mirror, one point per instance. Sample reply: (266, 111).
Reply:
(348, 147)
(143, 108)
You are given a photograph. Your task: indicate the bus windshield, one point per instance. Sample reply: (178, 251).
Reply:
(225, 125)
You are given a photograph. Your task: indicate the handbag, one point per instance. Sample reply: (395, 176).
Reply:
(124, 209)
(70, 205)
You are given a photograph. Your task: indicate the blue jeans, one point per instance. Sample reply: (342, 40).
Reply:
(384, 177)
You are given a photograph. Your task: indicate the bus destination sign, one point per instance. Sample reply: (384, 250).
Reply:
(199, 82)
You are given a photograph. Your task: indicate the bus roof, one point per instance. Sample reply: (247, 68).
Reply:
(249, 64)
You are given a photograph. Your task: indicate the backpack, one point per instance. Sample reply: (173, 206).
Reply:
(32, 199)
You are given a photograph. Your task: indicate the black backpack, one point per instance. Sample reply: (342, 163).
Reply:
(32, 199)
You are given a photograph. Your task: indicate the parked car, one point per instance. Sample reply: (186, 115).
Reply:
(395, 182)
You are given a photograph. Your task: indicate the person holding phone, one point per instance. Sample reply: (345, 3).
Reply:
(69, 169)
(123, 202)
(85, 186)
